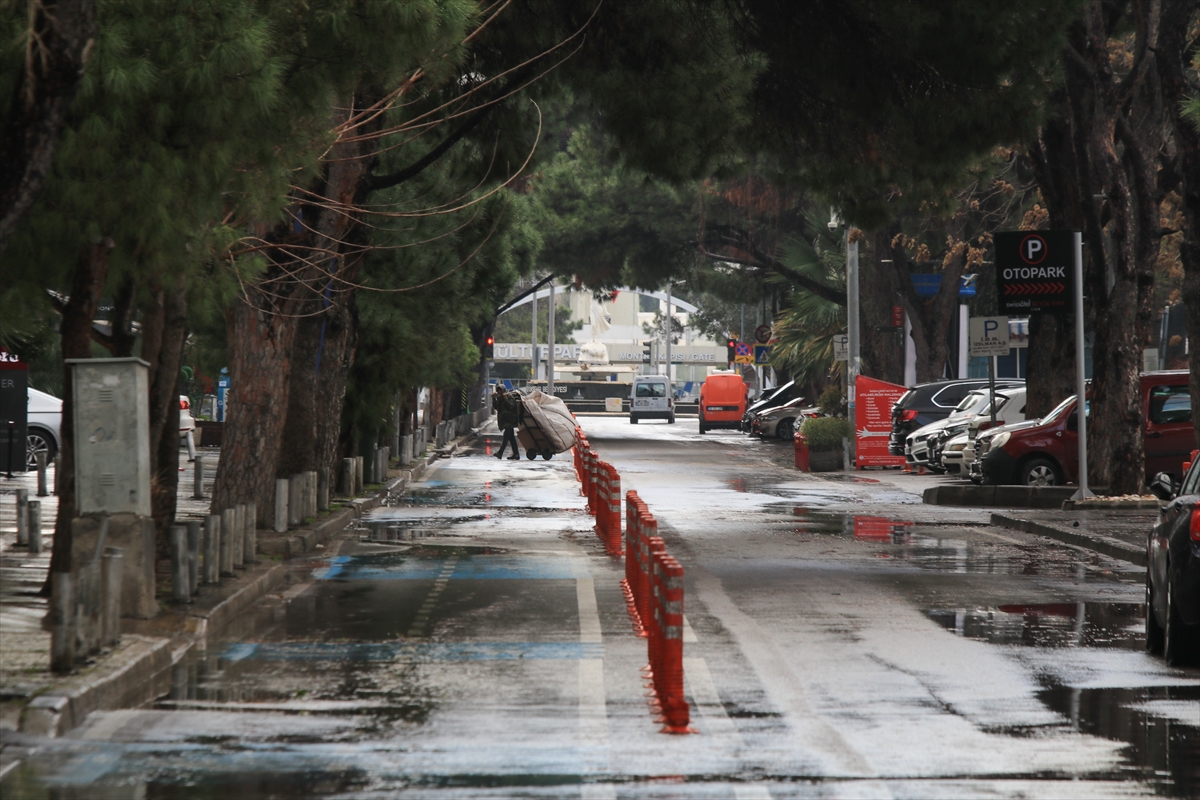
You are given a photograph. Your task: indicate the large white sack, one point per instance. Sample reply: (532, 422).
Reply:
(550, 415)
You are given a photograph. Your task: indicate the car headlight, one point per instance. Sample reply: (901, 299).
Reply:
(959, 446)
(999, 439)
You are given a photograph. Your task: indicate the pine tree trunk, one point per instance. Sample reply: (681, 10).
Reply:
(164, 332)
(1173, 60)
(91, 271)
(258, 370)
(1051, 368)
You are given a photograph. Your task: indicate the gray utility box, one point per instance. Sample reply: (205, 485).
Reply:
(112, 435)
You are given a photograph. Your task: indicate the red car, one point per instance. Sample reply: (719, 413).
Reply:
(1047, 454)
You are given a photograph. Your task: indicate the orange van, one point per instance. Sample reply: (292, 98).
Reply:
(722, 401)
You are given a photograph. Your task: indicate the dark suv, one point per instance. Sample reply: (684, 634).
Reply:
(930, 402)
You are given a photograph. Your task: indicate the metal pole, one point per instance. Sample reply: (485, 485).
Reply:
(992, 386)
(1080, 381)
(198, 478)
(533, 357)
(670, 330)
(550, 343)
(854, 363)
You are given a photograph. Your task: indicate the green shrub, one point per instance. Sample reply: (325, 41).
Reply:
(825, 433)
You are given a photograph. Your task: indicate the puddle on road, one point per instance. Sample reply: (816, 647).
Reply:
(1117, 625)
(1160, 726)
(934, 547)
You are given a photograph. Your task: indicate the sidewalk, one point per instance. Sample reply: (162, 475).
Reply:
(1116, 533)
(138, 669)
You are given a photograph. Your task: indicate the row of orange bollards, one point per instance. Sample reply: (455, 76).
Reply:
(653, 587)
(653, 583)
(601, 485)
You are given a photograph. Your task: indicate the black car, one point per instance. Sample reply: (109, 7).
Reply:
(930, 402)
(1173, 572)
(769, 399)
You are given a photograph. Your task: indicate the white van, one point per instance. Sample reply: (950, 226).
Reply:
(650, 399)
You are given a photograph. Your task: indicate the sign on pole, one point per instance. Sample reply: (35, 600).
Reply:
(762, 355)
(988, 336)
(1034, 271)
(743, 353)
(841, 347)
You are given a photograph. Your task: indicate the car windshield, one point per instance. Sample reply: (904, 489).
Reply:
(1059, 410)
(651, 390)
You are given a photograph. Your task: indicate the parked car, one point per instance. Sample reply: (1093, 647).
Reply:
(1047, 454)
(783, 421)
(648, 399)
(769, 399)
(722, 401)
(1173, 571)
(43, 432)
(930, 402)
(1010, 407)
(918, 444)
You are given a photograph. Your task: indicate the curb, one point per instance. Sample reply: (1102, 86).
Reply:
(140, 671)
(1105, 545)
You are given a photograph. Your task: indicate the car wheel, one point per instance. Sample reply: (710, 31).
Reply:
(1177, 650)
(633, 420)
(703, 427)
(785, 429)
(1154, 631)
(1040, 472)
(38, 441)
(671, 420)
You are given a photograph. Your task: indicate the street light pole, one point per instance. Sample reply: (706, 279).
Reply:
(853, 364)
(550, 345)
(670, 329)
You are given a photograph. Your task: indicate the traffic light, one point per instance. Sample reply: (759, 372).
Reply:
(489, 347)
(731, 349)
(646, 353)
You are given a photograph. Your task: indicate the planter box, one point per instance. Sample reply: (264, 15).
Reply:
(825, 460)
(210, 434)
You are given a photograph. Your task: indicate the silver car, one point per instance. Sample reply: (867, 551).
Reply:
(43, 433)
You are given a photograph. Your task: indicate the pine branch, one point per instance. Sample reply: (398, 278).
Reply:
(731, 236)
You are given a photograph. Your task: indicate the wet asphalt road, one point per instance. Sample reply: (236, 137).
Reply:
(842, 641)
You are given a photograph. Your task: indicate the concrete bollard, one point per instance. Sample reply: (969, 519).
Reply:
(323, 489)
(198, 479)
(313, 503)
(294, 500)
(238, 538)
(179, 565)
(281, 506)
(62, 619)
(22, 516)
(212, 548)
(250, 533)
(348, 477)
(34, 513)
(57, 464)
(359, 486)
(370, 463)
(227, 541)
(194, 527)
(406, 454)
(41, 474)
(111, 574)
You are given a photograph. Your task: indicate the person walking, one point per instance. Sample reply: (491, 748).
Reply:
(508, 416)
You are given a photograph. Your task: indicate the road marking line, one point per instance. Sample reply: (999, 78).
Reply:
(689, 635)
(426, 608)
(593, 702)
(751, 793)
(708, 702)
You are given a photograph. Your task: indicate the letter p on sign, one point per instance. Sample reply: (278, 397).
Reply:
(1033, 249)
